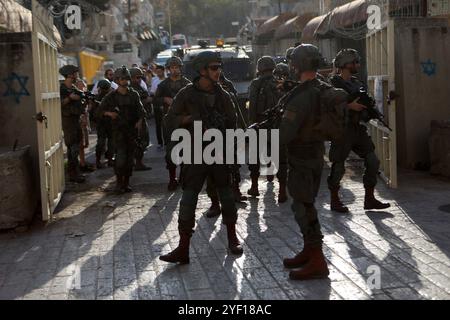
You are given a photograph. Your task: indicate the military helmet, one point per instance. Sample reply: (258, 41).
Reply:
(203, 59)
(289, 53)
(174, 61)
(265, 63)
(281, 70)
(134, 72)
(306, 57)
(346, 56)
(104, 84)
(123, 73)
(68, 70)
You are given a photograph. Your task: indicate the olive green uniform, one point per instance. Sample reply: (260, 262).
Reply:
(104, 130)
(168, 88)
(305, 152)
(263, 95)
(356, 139)
(143, 140)
(71, 126)
(199, 104)
(130, 110)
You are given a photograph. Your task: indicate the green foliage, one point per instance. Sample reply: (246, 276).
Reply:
(205, 18)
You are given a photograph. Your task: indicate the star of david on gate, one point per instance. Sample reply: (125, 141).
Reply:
(12, 82)
(428, 67)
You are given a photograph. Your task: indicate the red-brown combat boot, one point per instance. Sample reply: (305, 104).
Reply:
(282, 194)
(315, 268)
(233, 242)
(335, 203)
(371, 203)
(299, 260)
(181, 253)
(253, 191)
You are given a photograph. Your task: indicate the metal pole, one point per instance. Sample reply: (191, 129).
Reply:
(129, 16)
(279, 6)
(170, 23)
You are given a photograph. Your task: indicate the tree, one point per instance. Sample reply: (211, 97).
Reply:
(208, 18)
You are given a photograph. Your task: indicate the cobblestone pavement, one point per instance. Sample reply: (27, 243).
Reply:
(104, 246)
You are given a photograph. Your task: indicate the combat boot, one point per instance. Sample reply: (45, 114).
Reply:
(214, 210)
(126, 184)
(140, 166)
(181, 253)
(173, 183)
(315, 268)
(282, 194)
(371, 203)
(253, 191)
(98, 161)
(110, 161)
(335, 203)
(238, 197)
(119, 184)
(74, 176)
(300, 259)
(233, 242)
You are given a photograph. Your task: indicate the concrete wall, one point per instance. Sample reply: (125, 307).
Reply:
(424, 93)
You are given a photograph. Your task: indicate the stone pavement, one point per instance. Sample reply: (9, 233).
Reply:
(104, 246)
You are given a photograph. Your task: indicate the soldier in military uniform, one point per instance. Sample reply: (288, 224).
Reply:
(71, 110)
(204, 101)
(211, 190)
(304, 143)
(143, 140)
(166, 92)
(104, 126)
(264, 95)
(356, 137)
(125, 109)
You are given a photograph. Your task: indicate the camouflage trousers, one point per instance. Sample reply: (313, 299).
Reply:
(357, 140)
(194, 177)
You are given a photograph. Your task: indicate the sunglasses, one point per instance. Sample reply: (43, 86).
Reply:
(215, 67)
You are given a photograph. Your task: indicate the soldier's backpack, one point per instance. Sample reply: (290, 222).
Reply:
(328, 121)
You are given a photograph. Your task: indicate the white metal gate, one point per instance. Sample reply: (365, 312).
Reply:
(381, 81)
(48, 110)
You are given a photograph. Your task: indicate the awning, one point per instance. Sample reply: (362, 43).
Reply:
(349, 14)
(273, 23)
(14, 17)
(293, 27)
(314, 26)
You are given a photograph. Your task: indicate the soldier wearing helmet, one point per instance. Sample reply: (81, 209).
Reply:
(301, 139)
(211, 189)
(263, 95)
(144, 138)
(71, 110)
(125, 109)
(205, 101)
(103, 125)
(165, 93)
(356, 139)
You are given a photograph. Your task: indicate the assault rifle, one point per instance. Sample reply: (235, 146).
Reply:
(371, 113)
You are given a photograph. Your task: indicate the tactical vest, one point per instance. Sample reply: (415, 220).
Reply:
(326, 121)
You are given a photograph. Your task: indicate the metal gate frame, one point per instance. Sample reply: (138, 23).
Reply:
(48, 110)
(380, 48)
